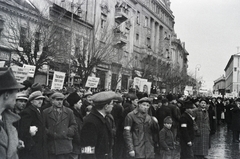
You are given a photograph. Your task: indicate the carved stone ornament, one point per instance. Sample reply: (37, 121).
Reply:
(105, 8)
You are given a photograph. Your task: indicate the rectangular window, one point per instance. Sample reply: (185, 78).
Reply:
(23, 36)
(37, 41)
(103, 20)
(137, 38)
(138, 17)
(146, 21)
(148, 42)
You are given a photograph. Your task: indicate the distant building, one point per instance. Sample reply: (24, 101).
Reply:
(219, 85)
(232, 75)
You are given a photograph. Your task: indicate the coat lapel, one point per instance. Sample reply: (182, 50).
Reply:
(39, 115)
(64, 115)
(51, 114)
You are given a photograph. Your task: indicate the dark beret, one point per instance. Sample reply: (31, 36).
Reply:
(188, 105)
(36, 87)
(171, 97)
(164, 100)
(73, 98)
(132, 96)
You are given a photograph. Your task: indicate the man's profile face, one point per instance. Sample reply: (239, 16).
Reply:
(109, 107)
(11, 99)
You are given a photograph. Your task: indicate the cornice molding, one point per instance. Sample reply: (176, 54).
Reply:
(19, 11)
(157, 16)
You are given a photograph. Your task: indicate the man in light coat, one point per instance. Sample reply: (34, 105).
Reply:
(139, 130)
(9, 142)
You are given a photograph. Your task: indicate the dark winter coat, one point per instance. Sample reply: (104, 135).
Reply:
(186, 128)
(77, 138)
(176, 114)
(162, 113)
(236, 118)
(166, 139)
(59, 132)
(96, 136)
(35, 146)
(212, 118)
(186, 135)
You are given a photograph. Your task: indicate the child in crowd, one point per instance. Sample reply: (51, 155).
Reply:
(166, 140)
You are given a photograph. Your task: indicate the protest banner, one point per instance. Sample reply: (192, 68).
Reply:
(2, 63)
(145, 87)
(58, 80)
(137, 82)
(31, 69)
(92, 82)
(20, 73)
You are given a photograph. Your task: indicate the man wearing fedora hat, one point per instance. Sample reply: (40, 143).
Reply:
(32, 128)
(8, 134)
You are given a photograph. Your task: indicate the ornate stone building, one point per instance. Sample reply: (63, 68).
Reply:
(137, 29)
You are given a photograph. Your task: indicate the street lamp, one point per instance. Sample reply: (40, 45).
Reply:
(197, 68)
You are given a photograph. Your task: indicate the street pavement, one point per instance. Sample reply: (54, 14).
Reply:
(222, 146)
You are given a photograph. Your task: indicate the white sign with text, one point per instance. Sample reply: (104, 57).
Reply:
(58, 80)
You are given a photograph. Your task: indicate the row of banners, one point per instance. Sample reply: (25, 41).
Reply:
(22, 73)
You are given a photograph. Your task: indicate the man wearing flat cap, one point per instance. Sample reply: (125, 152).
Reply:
(140, 130)
(9, 141)
(96, 135)
(32, 128)
(60, 126)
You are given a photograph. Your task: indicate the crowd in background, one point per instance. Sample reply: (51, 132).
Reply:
(79, 123)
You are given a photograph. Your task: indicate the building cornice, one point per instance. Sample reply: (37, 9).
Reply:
(19, 10)
(157, 16)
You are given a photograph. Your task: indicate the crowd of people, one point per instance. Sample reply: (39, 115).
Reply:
(39, 123)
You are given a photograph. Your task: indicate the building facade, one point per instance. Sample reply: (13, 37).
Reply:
(135, 28)
(232, 75)
(219, 86)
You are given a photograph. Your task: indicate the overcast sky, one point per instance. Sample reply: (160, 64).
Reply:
(211, 31)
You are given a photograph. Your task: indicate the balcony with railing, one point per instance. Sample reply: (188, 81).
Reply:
(120, 38)
(121, 13)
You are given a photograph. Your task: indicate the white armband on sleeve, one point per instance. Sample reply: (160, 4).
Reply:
(183, 125)
(127, 128)
(88, 150)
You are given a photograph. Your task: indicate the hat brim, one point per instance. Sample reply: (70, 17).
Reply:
(39, 97)
(16, 86)
(23, 98)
